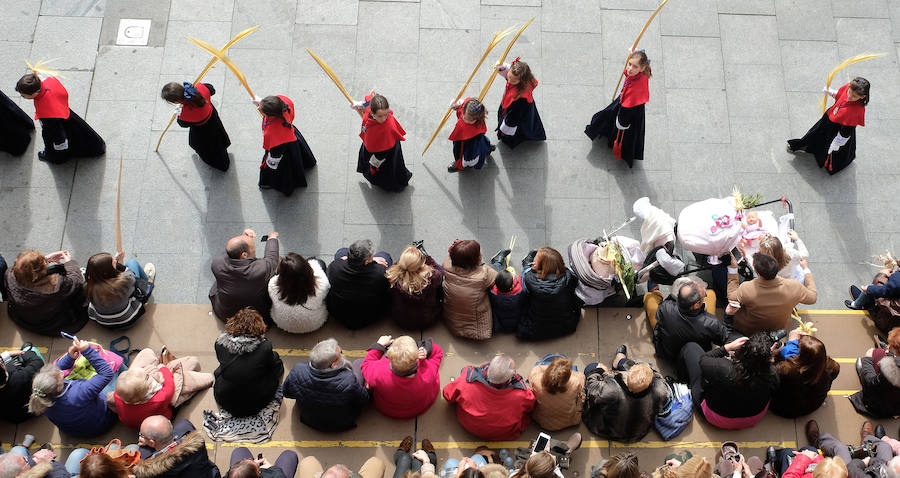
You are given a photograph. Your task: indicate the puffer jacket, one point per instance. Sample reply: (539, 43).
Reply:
(555, 411)
(422, 309)
(880, 394)
(330, 400)
(611, 411)
(248, 375)
(467, 309)
(551, 309)
(49, 313)
(187, 459)
(15, 394)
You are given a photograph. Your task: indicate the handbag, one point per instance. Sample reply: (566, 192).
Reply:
(142, 289)
(677, 413)
(125, 457)
(83, 370)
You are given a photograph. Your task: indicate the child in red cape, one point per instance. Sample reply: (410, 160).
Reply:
(206, 135)
(470, 146)
(287, 153)
(518, 119)
(380, 155)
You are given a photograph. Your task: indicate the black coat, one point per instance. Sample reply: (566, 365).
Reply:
(422, 309)
(611, 411)
(880, 394)
(728, 398)
(676, 327)
(794, 398)
(188, 459)
(248, 375)
(551, 308)
(15, 395)
(330, 400)
(359, 294)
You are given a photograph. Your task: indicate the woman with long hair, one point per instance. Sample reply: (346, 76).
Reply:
(467, 309)
(44, 293)
(298, 292)
(416, 293)
(551, 308)
(559, 394)
(805, 373)
(116, 292)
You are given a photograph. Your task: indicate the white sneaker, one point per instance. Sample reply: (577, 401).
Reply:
(150, 270)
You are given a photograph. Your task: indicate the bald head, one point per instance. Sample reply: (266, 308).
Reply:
(241, 247)
(156, 432)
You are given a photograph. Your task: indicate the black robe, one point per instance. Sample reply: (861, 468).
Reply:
(818, 139)
(209, 138)
(289, 175)
(15, 127)
(391, 175)
(524, 115)
(69, 138)
(603, 123)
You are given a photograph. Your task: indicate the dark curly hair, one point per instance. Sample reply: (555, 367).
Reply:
(246, 322)
(751, 361)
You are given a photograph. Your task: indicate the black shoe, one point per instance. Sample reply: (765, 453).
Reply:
(42, 156)
(880, 432)
(452, 168)
(812, 433)
(500, 257)
(849, 304)
(879, 342)
(622, 350)
(790, 149)
(493, 148)
(770, 454)
(855, 292)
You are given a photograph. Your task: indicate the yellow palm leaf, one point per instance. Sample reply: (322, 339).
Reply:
(845, 64)
(635, 44)
(487, 85)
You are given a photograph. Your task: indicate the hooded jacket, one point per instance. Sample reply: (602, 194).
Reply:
(880, 394)
(675, 327)
(330, 400)
(489, 411)
(551, 309)
(187, 459)
(15, 394)
(248, 374)
(612, 411)
(49, 313)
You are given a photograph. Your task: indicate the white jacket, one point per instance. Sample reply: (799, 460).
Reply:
(301, 318)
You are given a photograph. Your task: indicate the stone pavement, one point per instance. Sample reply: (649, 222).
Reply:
(733, 79)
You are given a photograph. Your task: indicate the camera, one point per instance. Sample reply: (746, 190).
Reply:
(777, 335)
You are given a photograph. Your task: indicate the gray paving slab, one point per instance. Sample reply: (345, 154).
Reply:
(744, 82)
(861, 35)
(737, 29)
(125, 128)
(13, 54)
(70, 41)
(749, 7)
(571, 16)
(692, 62)
(452, 14)
(212, 11)
(19, 19)
(275, 18)
(157, 11)
(794, 18)
(796, 53)
(182, 57)
(691, 18)
(397, 30)
(340, 12)
(687, 127)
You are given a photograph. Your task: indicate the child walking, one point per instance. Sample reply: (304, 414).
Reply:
(833, 138)
(380, 155)
(287, 153)
(15, 127)
(65, 134)
(206, 135)
(518, 119)
(622, 122)
(470, 145)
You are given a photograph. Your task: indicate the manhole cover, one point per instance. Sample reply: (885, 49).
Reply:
(133, 32)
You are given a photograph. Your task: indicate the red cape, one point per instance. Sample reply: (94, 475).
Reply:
(278, 131)
(52, 101)
(380, 136)
(197, 114)
(512, 94)
(636, 90)
(463, 131)
(846, 112)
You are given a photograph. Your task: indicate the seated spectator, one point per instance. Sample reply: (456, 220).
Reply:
(45, 293)
(416, 289)
(653, 298)
(173, 455)
(733, 392)
(551, 308)
(360, 293)
(808, 463)
(493, 402)
(101, 465)
(146, 445)
(880, 451)
(310, 467)
(731, 462)
(422, 461)
(622, 465)
(152, 388)
(77, 407)
(682, 318)
(298, 292)
(330, 395)
(17, 462)
(881, 299)
(467, 309)
(242, 280)
(767, 301)
(244, 465)
(116, 292)
(403, 377)
(507, 296)
(880, 380)
(805, 373)
(539, 465)
(622, 404)
(787, 256)
(249, 371)
(17, 370)
(558, 392)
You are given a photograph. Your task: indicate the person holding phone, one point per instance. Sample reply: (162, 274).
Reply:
(245, 466)
(242, 279)
(45, 293)
(117, 290)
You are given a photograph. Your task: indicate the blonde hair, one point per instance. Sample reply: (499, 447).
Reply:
(410, 272)
(133, 385)
(830, 468)
(696, 467)
(638, 377)
(44, 388)
(403, 354)
(539, 465)
(771, 245)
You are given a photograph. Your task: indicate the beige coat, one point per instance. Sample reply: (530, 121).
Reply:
(555, 411)
(467, 310)
(766, 305)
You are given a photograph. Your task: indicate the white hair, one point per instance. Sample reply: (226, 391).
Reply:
(501, 369)
(324, 354)
(10, 465)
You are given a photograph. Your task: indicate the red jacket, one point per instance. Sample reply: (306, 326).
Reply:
(402, 397)
(159, 404)
(489, 412)
(799, 467)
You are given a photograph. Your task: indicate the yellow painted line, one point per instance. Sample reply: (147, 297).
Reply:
(842, 392)
(844, 360)
(42, 350)
(703, 444)
(362, 353)
(832, 312)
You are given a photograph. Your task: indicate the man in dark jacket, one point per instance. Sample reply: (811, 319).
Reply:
(242, 280)
(622, 405)
(17, 370)
(683, 319)
(878, 457)
(328, 392)
(360, 293)
(880, 394)
(174, 456)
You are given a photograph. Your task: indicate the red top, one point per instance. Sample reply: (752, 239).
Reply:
(800, 465)
(846, 112)
(636, 90)
(278, 131)
(159, 404)
(462, 130)
(197, 114)
(380, 136)
(403, 397)
(52, 101)
(490, 413)
(512, 94)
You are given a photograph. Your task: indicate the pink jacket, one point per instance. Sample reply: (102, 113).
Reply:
(402, 397)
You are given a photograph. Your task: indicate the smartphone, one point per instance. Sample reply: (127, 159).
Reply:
(68, 336)
(735, 304)
(259, 456)
(737, 457)
(738, 257)
(540, 443)
(264, 238)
